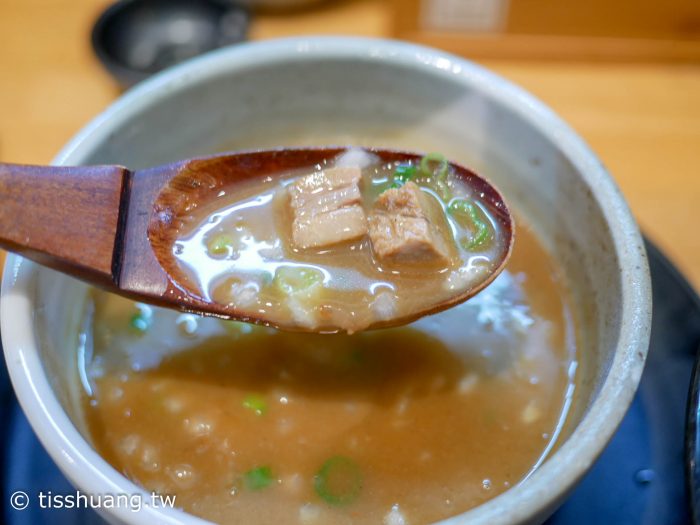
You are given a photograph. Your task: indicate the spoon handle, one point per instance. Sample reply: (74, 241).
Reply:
(68, 218)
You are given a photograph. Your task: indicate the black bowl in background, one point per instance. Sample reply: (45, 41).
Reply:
(136, 38)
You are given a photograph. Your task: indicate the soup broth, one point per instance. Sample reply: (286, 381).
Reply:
(351, 242)
(246, 424)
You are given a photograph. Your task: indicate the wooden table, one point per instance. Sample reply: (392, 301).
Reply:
(643, 120)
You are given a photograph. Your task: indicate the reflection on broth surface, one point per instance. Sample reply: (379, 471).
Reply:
(407, 425)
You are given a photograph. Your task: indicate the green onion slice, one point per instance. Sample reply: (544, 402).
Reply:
(435, 165)
(464, 209)
(142, 320)
(255, 403)
(220, 245)
(292, 280)
(237, 327)
(258, 478)
(432, 172)
(338, 481)
(442, 189)
(403, 173)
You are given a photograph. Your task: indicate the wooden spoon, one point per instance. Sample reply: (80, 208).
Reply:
(115, 228)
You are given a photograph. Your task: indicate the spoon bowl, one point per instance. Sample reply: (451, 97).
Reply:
(117, 229)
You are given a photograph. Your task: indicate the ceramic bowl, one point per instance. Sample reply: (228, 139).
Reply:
(350, 90)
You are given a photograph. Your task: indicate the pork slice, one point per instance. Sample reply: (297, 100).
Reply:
(408, 200)
(315, 204)
(400, 239)
(405, 227)
(326, 208)
(322, 182)
(343, 224)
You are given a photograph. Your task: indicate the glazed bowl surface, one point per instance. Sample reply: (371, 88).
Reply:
(325, 90)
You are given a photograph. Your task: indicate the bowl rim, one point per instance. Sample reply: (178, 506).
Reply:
(535, 497)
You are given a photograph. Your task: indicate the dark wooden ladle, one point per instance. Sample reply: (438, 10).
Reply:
(115, 228)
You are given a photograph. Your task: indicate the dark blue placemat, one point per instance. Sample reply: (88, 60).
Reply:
(638, 480)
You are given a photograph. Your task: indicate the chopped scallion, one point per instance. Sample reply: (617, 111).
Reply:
(258, 478)
(442, 189)
(403, 173)
(431, 172)
(435, 165)
(463, 209)
(141, 321)
(292, 280)
(220, 245)
(255, 403)
(238, 327)
(435, 168)
(338, 481)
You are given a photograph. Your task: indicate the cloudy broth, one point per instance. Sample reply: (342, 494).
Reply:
(246, 424)
(302, 249)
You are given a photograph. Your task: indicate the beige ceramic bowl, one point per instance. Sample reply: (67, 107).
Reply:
(345, 90)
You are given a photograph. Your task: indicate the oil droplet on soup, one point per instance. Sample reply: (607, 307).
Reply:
(342, 245)
(246, 424)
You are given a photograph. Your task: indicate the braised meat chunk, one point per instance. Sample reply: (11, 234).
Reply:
(326, 208)
(405, 227)
(342, 224)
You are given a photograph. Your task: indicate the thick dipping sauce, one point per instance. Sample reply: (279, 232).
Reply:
(351, 242)
(404, 426)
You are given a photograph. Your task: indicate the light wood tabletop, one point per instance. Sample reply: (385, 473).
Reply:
(642, 119)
